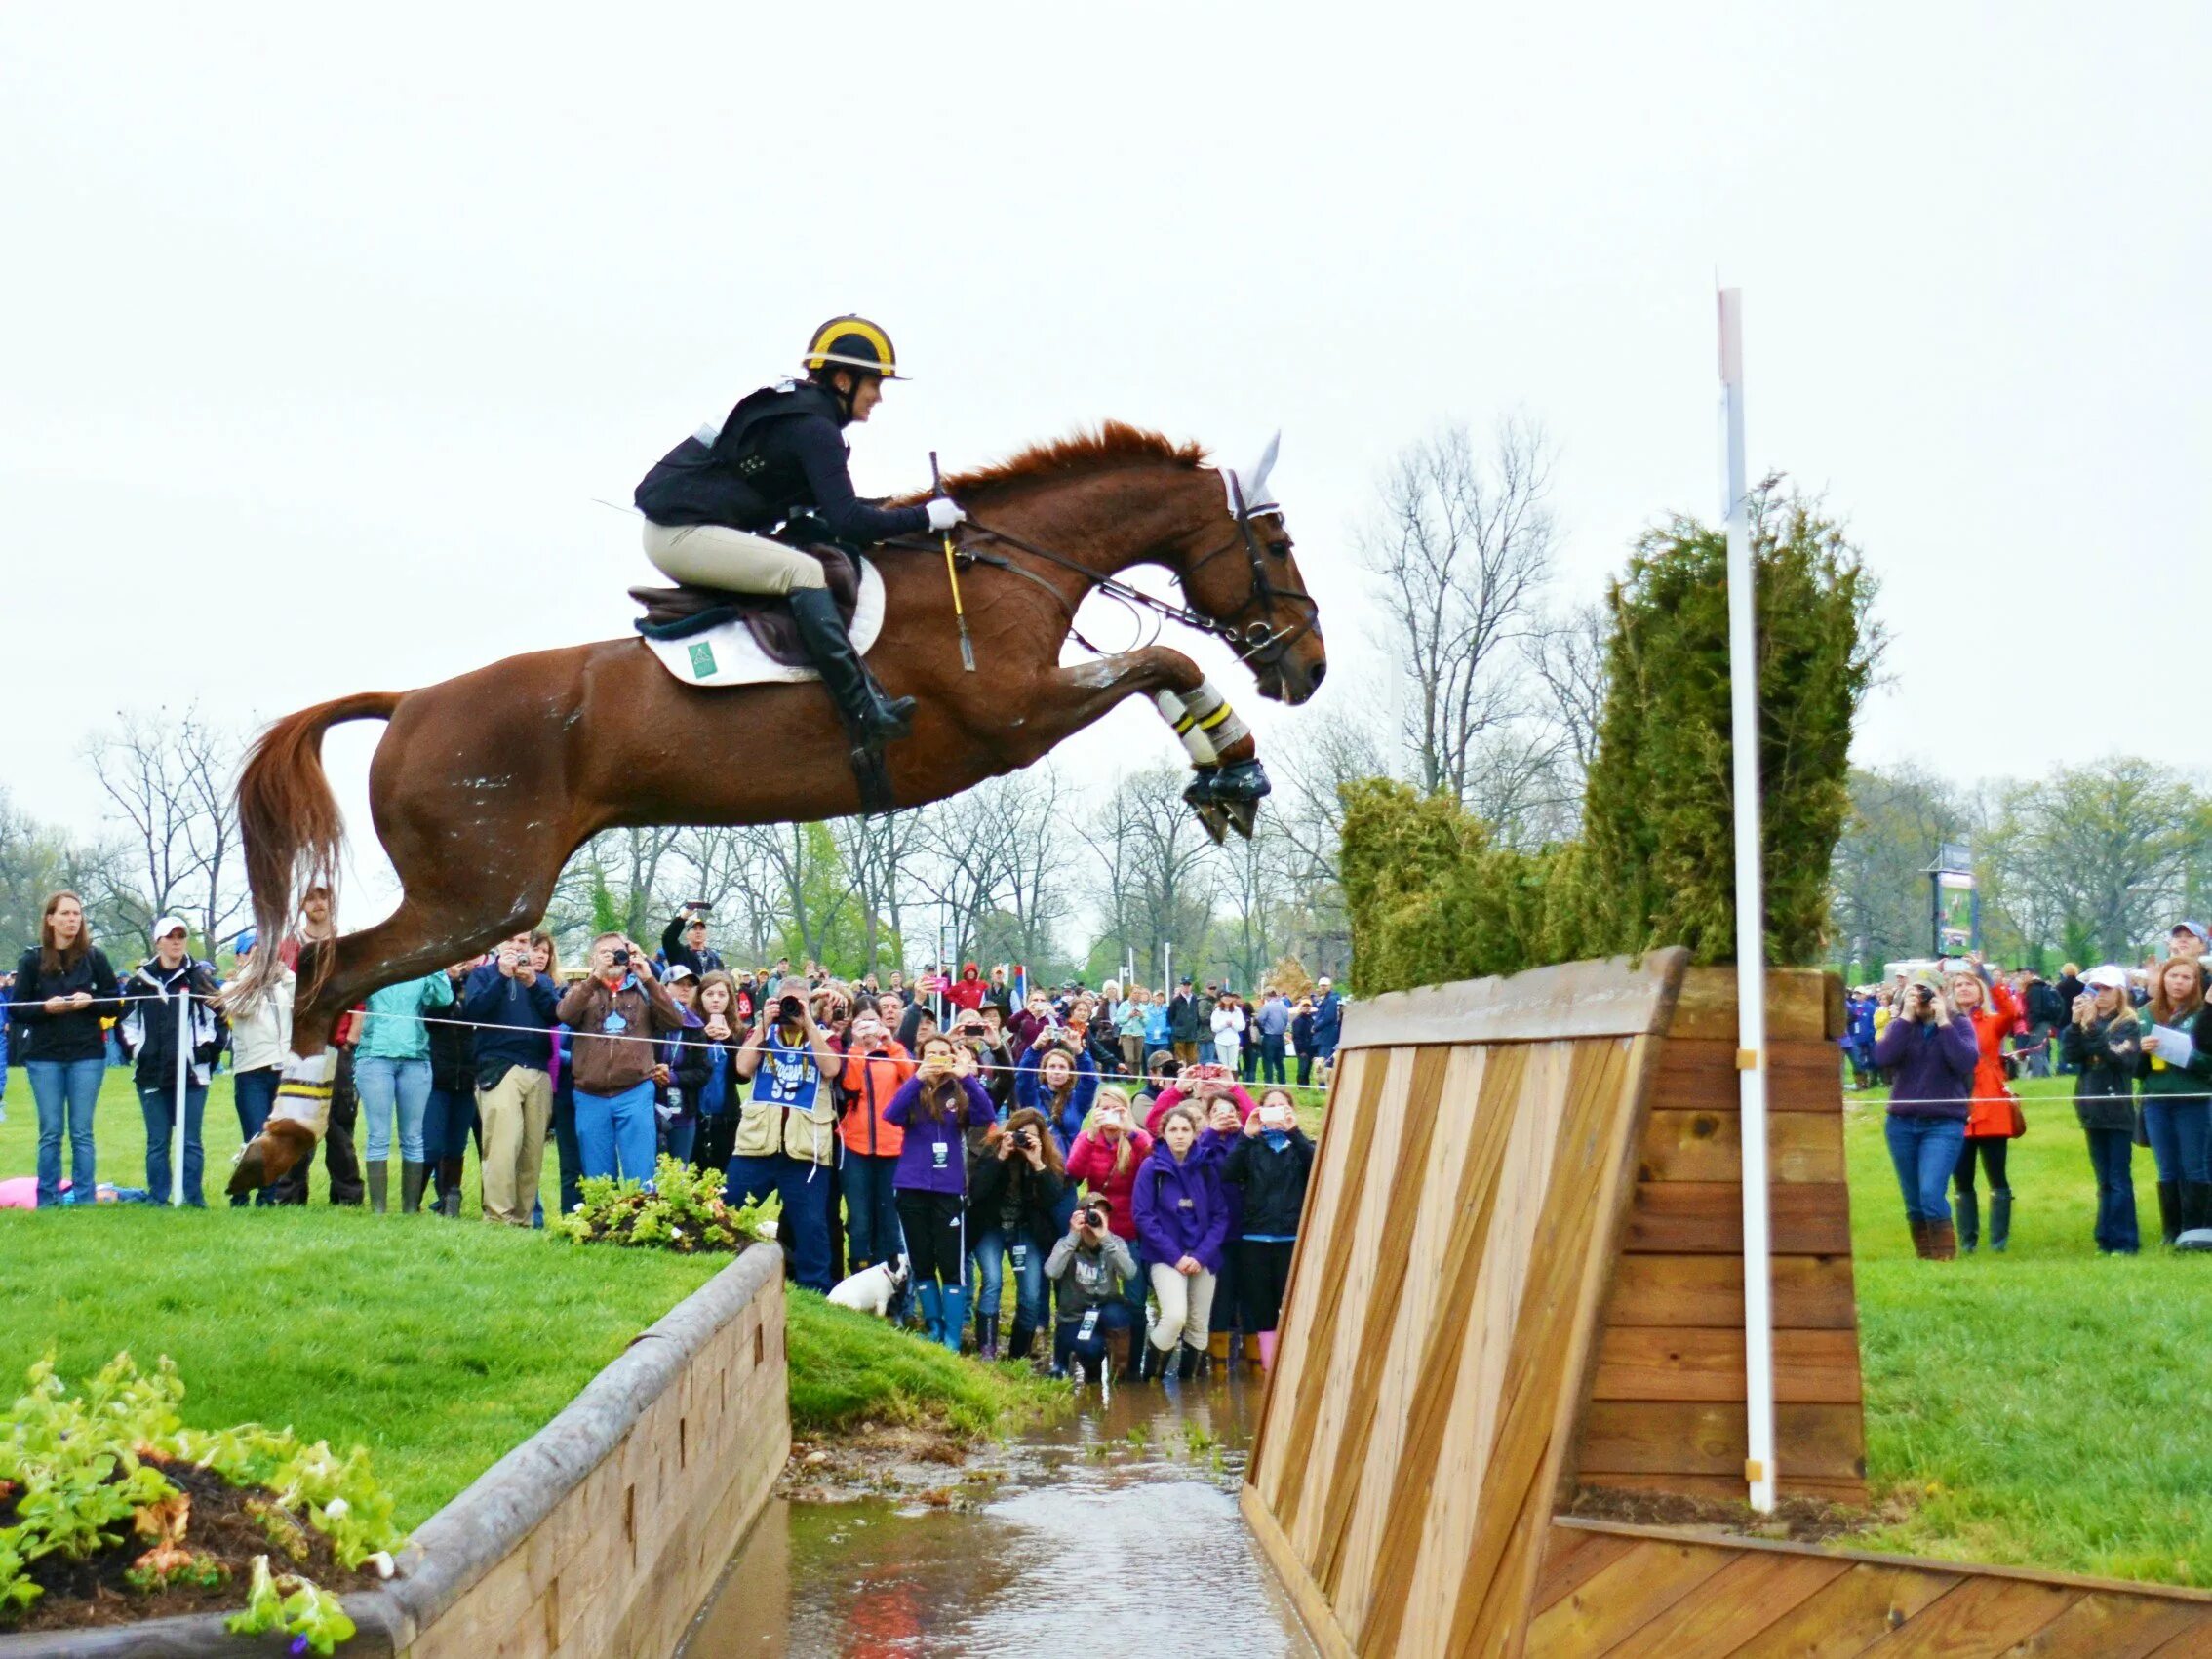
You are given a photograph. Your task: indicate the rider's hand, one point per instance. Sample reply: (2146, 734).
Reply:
(945, 512)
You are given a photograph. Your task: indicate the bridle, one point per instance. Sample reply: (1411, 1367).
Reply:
(1254, 642)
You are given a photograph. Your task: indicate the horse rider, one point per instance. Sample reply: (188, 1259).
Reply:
(780, 453)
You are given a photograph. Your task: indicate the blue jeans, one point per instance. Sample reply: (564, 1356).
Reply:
(254, 1092)
(1926, 1150)
(678, 1136)
(1271, 1060)
(2112, 1155)
(1067, 1345)
(386, 1088)
(160, 1108)
(616, 1134)
(803, 1232)
(66, 1092)
(448, 1116)
(991, 1250)
(871, 1210)
(2181, 1137)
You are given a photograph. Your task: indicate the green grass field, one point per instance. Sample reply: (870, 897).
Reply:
(440, 1345)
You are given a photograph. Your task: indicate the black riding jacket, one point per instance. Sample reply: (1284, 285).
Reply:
(781, 451)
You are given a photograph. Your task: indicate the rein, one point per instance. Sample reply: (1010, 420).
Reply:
(1255, 642)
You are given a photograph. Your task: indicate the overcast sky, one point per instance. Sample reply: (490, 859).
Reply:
(323, 330)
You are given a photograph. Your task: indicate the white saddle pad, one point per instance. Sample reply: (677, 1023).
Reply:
(729, 656)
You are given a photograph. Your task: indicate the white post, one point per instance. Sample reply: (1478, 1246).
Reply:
(1167, 968)
(1751, 927)
(183, 1077)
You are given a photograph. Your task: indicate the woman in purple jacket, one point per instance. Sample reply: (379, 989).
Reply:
(937, 1107)
(1183, 1220)
(1929, 1054)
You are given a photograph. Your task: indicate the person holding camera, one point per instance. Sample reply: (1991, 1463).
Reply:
(1106, 1157)
(1183, 1219)
(705, 1068)
(1933, 1055)
(876, 1067)
(1201, 1086)
(1015, 1179)
(1993, 1116)
(2176, 1117)
(683, 941)
(937, 1107)
(619, 1003)
(514, 1008)
(1058, 1079)
(1269, 1167)
(1093, 1269)
(787, 1132)
(2102, 1042)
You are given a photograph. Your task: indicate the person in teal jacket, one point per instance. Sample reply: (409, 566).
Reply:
(391, 1074)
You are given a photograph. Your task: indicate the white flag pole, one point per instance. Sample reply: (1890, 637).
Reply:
(1751, 927)
(184, 1073)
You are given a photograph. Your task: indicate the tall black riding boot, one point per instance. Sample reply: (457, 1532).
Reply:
(2196, 1216)
(2000, 1219)
(412, 1177)
(2169, 1212)
(873, 718)
(1966, 1209)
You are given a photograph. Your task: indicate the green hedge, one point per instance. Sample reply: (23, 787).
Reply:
(1433, 898)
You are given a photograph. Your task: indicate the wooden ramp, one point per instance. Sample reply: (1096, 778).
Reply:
(1458, 1247)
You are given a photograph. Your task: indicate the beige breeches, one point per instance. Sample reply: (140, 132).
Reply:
(713, 555)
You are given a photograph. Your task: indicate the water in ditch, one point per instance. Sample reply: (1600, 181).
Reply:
(1114, 1529)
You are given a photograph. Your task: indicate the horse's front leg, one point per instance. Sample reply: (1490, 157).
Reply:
(1230, 781)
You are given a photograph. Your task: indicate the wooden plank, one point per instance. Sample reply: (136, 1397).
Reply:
(1707, 1218)
(2193, 1643)
(1699, 1075)
(1312, 1606)
(1571, 1559)
(1707, 1363)
(2106, 1626)
(1796, 1005)
(1853, 1610)
(1733, 1606)
(1621, 1600)
(1810, 1292)
(1977, 1618)
(1613, 997)
(1696, 1438)
(1708, 1146)
(1729, 1488)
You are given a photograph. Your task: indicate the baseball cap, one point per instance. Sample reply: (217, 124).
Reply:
(245, 941)
(677, 970)
(2107, 978)
(2196, 927)
(168, 924)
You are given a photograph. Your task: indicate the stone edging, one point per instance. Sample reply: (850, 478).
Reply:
(480, 1528)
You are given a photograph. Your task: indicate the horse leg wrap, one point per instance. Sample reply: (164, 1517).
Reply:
(303, 1092)
(1210, 730)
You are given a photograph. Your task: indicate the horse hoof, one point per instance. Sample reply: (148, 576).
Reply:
(1216, 817)
(249, 1175)
(1243, 815)
(1246, 781)
(1200, 791)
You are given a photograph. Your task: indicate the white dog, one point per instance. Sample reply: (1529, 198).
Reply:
(872, 1289)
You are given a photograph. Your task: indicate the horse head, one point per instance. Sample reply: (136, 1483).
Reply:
(1241, 570)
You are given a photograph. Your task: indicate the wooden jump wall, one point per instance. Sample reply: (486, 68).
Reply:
(1519, 1273)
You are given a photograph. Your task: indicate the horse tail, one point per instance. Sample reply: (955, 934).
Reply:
(290, 824)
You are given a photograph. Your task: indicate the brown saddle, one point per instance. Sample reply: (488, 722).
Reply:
(678, 612)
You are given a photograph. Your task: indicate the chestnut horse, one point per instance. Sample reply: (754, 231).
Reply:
(483, 785)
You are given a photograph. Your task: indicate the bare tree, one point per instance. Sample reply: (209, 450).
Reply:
(1569, 654)
(168, 778)
(1160, 865)
(1464, 546)
(879, 851)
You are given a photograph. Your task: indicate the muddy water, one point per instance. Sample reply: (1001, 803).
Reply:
(1114, 1531)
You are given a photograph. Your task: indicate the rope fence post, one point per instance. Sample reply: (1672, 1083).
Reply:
(183, 1077)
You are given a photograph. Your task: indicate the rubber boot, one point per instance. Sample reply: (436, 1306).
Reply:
(1024, 1335)
(1253, 1359)
(449, 1202)
(986, 1336)
(1152, 1363)
(1942, 1243)
(379, 1186)
(2000, 1219)
(932, 1297)
(956, 1315)
(1966, 1209)
(1186, 1367)
(2169, 1212)
(1217, 1350)
(1266, 1341)
(2195, 1217)
(1116, 1350)
(873, 718)
(1920, 1239)
(412, 1178)
(449, 1187)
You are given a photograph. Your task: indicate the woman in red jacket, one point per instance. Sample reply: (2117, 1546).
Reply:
(1993, 1115)
(1105, 1158)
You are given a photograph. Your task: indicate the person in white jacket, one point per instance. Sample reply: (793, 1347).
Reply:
(260, 1035)
(1228, 1030)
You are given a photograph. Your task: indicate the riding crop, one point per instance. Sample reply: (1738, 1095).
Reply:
(951, 575)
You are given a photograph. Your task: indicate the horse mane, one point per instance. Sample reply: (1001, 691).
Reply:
(1114, 444)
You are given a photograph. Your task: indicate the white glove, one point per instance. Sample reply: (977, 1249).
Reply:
(944, 512)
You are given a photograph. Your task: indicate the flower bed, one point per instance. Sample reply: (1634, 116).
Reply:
(682, 1211)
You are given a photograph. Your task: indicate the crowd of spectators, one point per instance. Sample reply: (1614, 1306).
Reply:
(1101, 1153)
(1950, 1039)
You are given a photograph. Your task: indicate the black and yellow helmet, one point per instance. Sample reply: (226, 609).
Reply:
(853, 343)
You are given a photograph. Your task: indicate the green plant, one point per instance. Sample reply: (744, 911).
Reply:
(682, 1211)
(201, 1570)
(296, 1607)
